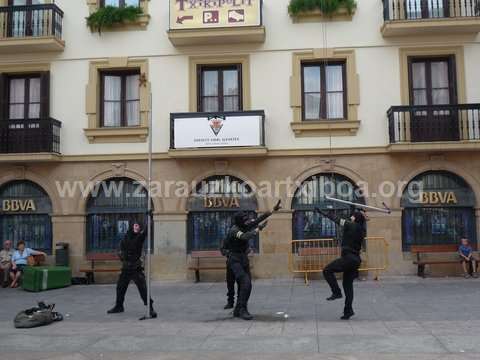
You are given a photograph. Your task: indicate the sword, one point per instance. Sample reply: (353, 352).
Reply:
(385, 209)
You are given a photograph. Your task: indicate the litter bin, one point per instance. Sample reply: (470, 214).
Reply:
(61, 254)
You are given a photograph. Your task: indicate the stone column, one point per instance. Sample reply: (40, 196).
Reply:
(71, 229)
(170, 246)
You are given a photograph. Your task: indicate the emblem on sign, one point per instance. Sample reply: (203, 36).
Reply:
(236, 16)
(216, 124)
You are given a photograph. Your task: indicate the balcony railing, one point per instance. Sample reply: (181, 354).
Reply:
(394, 10)
(30, 136)
(22, 21)
(413, 124)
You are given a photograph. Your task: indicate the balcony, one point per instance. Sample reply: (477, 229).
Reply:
(427, 17)
(229, 134)
(30, 140)
(31, 28)
(437, 127)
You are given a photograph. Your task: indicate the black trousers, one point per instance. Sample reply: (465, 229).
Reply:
(230, 276)
(240, 267)
(138, 277)
(348, 264)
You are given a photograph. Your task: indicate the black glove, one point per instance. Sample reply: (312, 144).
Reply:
(328, 215)
(278, 206)
(262, 226)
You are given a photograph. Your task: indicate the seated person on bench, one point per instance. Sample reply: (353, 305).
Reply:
(5, 262)
(466, 256)
(20, 261)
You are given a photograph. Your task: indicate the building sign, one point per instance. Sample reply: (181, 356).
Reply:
(438, 198)
(221, 202)
(438, 189)
(200, 14)
(18, 205)
(214, 131)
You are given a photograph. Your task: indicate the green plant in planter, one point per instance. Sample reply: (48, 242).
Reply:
(327, 7)
(108, 16)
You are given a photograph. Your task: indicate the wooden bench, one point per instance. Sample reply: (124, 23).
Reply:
(421, 262)
(197, 265)
(100, 257)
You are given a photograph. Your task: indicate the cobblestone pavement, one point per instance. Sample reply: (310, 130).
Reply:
(397, 318)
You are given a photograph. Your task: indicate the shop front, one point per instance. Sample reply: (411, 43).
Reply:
(308, 224)
(211, 209)
(25, 214)
(117, 204)
(438, 208)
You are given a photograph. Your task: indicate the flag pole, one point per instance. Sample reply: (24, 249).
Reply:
(149, 207)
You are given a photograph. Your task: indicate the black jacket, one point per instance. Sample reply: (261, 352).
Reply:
(238, 238)
(131, 249)
(353, 233)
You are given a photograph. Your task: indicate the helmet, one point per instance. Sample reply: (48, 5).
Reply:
(240, 218)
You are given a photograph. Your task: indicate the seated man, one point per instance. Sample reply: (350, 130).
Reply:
(20, 261)
(5, 262)
(466, 256)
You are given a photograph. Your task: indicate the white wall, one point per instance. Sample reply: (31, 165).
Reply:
(377, 65)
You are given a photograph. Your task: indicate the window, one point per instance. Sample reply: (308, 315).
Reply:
(220, 88)
(120, 3)
(307, 223)
(324, 90)
(432, 82)
(111, 213)
(439, 208)
(120, 99)
(211, 210)
(25, 96)
(32, 225)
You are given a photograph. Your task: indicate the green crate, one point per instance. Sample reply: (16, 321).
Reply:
(39, 278)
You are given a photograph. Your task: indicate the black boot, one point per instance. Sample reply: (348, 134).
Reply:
(236, 311)
(153, 313)
(347, 314)
(116, 309)
(229, 305)
(334, 297)
(244, 314)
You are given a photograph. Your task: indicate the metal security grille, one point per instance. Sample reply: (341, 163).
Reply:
(33, 228)
(208, 227)
(115, 206)
(307, 224)
(424, 224)
(208, 230)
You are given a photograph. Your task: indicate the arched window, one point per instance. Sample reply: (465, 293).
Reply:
(114, 205)
(307, 224)
(438, 208)
(211, 209)
(25, 215)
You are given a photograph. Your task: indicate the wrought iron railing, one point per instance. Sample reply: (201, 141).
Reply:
(31, 21)
(434, 123)
(30, 136)
(429, 9)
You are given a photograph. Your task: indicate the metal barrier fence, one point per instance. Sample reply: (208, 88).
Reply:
(311, 256)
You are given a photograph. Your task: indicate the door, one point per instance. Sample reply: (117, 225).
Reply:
(426, 9)
(433, 83)
(24, 21)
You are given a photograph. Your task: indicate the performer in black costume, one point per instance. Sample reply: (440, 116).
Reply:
(131, 249)
(236, 248)
(354, 231)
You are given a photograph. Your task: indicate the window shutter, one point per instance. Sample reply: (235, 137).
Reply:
(45, 95)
